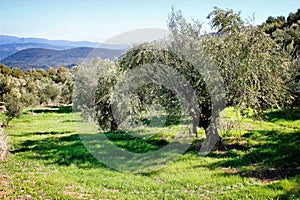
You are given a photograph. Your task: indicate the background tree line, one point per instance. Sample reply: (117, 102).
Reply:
(285, 31)
(35, 87)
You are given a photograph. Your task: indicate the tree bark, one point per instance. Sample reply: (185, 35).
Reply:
(213, 139)
(209, 124)
(195, 125)
(113, 126)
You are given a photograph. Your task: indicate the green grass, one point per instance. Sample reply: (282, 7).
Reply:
(48, 161)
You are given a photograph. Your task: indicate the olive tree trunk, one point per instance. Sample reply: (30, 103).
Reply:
(113, 126)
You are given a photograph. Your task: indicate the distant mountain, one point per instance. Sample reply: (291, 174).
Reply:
(4, 39)
(9, 49)
(11, 44)
(45, 58)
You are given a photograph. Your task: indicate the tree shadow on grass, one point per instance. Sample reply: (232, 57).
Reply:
(274, 156)
(64, 150)
(53, 109)
(41, 133)
(71, 121)
(135, 144)
(283, 115)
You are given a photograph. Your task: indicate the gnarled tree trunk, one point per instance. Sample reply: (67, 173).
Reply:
(213, 139)
(113, 126)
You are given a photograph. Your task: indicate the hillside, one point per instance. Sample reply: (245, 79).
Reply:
(9, 49)
(45, 58)
(11, 44)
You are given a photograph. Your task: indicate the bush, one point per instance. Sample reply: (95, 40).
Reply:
(14, 108)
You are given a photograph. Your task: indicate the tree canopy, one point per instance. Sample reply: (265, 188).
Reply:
(253, 68)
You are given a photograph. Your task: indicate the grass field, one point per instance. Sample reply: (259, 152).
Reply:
(47, 160)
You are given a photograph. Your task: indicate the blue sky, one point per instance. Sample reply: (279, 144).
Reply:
(98, 20)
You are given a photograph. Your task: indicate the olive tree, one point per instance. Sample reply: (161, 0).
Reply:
(286, 33)
(254, 69)
(11, 96)
(94, 82)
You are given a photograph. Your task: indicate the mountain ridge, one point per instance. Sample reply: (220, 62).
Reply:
(9, 49)
(6, 39)
(12, 44)
(45, 58)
